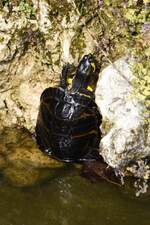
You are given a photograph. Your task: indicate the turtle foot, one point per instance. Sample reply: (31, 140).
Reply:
(98, 171)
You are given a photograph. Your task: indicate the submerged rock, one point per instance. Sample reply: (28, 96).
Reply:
(21, 162)
(24, 177)
(126, 137)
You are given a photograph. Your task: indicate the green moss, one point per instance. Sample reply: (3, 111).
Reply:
(27, 9)
(106, 126)
(84, 7)
(140, 51)
(1, 39)
(141, 82)
(58, 10)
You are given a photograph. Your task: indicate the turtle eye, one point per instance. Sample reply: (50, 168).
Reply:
(85, 57)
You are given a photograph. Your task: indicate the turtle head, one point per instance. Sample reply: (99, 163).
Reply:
(87, 65)
(86, 74)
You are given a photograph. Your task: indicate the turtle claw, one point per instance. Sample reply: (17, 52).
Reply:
(66, 71)
(48, 151)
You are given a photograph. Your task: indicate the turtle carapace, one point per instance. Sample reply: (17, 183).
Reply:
(68, 123)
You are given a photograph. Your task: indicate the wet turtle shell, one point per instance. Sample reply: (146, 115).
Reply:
(68, 121)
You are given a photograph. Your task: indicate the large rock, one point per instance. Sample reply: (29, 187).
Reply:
(126, 138)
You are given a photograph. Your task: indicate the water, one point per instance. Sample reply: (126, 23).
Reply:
(61, 197)
(72, 200)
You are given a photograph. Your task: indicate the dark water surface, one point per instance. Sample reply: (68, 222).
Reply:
(69, 199)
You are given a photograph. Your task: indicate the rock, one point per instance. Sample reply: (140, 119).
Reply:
(24, 156)
(21, 162)
(36, 40)
(3, 162)
(24, 177)
(127, 138)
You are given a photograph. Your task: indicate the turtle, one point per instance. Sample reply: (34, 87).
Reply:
(68, 122)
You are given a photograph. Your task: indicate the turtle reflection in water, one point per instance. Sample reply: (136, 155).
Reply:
(68, 124)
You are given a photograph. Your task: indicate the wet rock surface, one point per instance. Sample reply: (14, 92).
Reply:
(21, 162)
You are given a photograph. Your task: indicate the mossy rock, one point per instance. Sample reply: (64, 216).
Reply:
(21, 161)
(24, 177)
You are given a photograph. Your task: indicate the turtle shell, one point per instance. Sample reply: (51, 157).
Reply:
(68, 125)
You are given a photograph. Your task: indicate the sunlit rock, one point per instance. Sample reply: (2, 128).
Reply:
(126, 139)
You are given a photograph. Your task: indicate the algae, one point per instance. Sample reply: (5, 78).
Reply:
(27, 9)
(126, 29)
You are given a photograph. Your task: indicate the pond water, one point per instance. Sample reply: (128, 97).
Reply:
(61, 197)
(70, 199)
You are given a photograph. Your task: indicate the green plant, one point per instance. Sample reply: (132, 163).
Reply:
(141, 82)
(27, 9)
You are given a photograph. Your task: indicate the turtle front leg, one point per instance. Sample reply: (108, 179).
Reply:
(100, 170)
(66, 75)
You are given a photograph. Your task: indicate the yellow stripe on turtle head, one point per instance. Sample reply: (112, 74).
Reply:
(93, 65)
(89, 88)
(69, 81)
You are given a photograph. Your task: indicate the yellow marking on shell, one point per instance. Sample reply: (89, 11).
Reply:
(85, 134)
(89, 88)
(93, 65)
(69, 81)
(88, 96)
